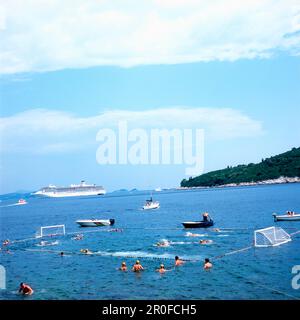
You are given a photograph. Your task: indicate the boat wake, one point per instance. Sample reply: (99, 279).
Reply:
(181, 242)
(189, 234)
(13, 205)
(47, 243)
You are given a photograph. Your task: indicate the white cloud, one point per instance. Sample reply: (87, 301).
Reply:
(39, 35)
(42, 131)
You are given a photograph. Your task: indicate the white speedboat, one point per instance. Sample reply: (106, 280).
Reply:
(150, 204)
(287, 217)
(95, 222)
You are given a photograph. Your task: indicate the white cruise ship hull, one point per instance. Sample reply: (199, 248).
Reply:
(69, 194)
(80, 190)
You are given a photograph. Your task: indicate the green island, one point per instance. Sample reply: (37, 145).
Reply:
(282, 168)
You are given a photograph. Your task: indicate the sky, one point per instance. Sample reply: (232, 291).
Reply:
(68, 70)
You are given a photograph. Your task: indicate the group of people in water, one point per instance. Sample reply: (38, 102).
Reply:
(137, 267)
(26, 290)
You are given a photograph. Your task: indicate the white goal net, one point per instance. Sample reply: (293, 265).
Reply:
(271, 237)
(51, 231)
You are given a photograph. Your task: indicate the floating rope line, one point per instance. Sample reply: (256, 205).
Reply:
(293, 234)
(232, 252)
(133, 255)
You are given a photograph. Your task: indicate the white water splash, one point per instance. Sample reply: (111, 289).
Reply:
(144, 255)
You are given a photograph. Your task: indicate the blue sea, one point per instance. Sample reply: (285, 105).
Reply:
(256, 273)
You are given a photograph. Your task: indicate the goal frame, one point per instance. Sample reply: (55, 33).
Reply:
(288, 237)
(41, 235)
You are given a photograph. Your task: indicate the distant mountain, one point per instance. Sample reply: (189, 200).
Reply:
(283, 165)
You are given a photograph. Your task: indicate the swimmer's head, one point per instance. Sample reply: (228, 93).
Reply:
(137, 262)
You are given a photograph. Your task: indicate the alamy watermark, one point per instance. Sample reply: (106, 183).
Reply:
(296, 278)
(152, 147)
(2, 277)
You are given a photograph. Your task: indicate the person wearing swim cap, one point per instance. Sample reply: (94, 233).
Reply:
(137, 267)
(161, 269)
(86, 251)
(123, 267)
(25, 289)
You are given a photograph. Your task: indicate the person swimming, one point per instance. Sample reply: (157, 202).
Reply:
(207, 264)
(161, 269)
(164, 243)
(115, 230)
(25, 289)
(78, 237)
(61, 254)
(123, 267)
(137, 267)
(189, 234)
(5, 242)
(86, 251)
(178, 262)
(205, 241)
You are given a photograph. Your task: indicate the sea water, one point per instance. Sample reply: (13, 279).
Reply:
(257, 273)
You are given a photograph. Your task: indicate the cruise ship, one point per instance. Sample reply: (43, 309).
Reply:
(74, 190)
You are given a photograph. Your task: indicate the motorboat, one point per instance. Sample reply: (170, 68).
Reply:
(205, 223)
(287, 217)
(198, 224)
(150, 204)
(95, 222)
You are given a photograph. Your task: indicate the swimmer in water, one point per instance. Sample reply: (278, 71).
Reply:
(137, 267)
(61, 254)
(205, 242)
(178, 262)
(123, 267)
(78, 237)
(162, 269)
(207, 264)
(115, 230)
(216, 230)
(164, 243)
(189, 234)
(25, 289)
(86, 251)
(5, 242)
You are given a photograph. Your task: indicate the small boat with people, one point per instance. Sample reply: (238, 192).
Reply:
(150, 204)
(95, 222)
(289, 216)
(205, 223)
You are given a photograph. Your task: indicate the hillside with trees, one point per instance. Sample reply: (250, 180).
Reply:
(283, 165)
